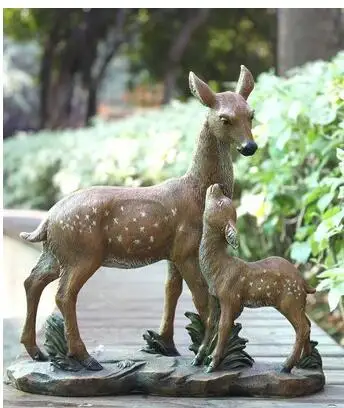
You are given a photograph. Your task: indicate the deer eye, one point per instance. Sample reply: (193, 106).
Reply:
(252, 115)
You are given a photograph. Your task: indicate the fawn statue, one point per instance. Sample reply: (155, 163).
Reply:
(132, 227)
(271, 281)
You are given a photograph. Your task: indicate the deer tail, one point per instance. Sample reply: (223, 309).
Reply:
(38, 235)
(308, 289)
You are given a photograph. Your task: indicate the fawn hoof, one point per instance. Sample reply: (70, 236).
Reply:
(211, 367)
(91, 364)
(196, 361)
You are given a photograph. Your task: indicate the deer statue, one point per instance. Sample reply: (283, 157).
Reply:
(132, 227)
(234, 283)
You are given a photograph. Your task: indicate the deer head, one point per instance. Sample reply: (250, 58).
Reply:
(220, 213)
(230, 117)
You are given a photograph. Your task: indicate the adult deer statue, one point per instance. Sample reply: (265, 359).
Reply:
(132, 227)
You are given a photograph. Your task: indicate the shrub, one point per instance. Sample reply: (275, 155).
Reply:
(290, 193)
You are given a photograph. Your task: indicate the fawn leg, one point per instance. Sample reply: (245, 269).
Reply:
(225, 324)
(173, 290)
(210, 326)
(46, 270)
(302, 331)
(72, 280)
(193, 277)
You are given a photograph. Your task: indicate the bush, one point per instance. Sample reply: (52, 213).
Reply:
(290, 191)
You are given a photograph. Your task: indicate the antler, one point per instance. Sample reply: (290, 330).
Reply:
(245, 83)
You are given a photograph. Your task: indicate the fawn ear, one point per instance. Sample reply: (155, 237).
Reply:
(245, 83)
(231, 236)
(201, 91)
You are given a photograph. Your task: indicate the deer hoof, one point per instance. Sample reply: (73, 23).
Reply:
(36, 354)
(285, 370)
(210, 368)
(91, 364)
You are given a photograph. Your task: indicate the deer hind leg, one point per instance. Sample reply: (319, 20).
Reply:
(302, 331)
(46, 270)
(307, 349)
(191, 273)
(173, 290)
(72, 280)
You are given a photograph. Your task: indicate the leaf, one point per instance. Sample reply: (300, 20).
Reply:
(334, 296)
(325, 284)
(325, 200)
(300, 251)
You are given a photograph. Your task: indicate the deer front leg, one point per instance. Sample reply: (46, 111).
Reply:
(173, 290)
(210, 326)
(225, 324)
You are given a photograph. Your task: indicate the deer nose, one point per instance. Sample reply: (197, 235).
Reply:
(248, 149)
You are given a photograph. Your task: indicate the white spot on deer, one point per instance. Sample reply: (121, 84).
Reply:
(94, 223)
(87, 217)
(119, 238)
(109, 239)
(243, 278)
(115, 221)
(181, 228)
(61, 222)
(142, 229)
(151, 238)
(149, 247)
(126, 228)
(262, 280)
(259, 288)
(268, 287)
(238, 295)
(143, 214)
(156, 224)
(106, 227)
(137, 242)
(268, 294)
(264, 270)
(80, 230)
(134, 219)
(174, 211)
(275, 283)
(94, 210)
(251, 283)
(107, 213)
(122, 208)
(77, 216)
(166, 218)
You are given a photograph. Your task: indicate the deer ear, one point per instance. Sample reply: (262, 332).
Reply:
(245, 83)
(201, 91)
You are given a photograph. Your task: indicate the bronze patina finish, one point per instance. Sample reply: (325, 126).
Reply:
(132, 227)
(235, 283)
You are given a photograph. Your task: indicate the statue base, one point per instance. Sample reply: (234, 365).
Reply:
(139, 372)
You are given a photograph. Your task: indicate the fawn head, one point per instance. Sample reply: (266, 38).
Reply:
(230, 116)
(219, 213)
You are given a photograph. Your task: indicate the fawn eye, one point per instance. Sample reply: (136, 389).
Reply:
(225, 120)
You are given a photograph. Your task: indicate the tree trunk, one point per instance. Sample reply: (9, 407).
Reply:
(91, 104)
(307, 35)
(45, 82)
(197, 18)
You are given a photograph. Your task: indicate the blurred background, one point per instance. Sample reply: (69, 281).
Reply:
(100, 96)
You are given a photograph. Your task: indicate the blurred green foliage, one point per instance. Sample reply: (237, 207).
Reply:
(289, 194)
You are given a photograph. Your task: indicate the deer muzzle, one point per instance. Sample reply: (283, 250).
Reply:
(248, 149)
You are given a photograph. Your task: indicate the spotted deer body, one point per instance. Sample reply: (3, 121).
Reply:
(132, 227)
(272, 281)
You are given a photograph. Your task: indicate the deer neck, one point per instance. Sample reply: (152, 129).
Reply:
(212, 162)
